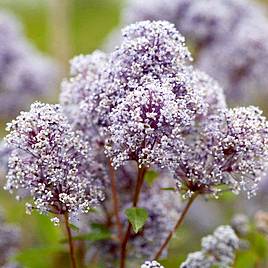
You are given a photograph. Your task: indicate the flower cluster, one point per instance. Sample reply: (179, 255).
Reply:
(147, 118)
(203, 22)
(232, 31)
(240, 224)
(230, 150)
(52, 162)
(217, 249)
(243, 58)
(9, 241)
(153, 93)
(151, 264)
(81, 93)
(144, 102)
(137, 97)
(23, 69)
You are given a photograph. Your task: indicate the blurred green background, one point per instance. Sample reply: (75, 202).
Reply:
(64, 28)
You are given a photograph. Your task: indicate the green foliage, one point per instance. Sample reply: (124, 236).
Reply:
(245, 260)
(137, 217)
(150, 177)
(34, 257)
(168, 189)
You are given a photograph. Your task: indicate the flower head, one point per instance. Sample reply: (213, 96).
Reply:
(81, 94)
(52, 162)
(152, 115)
(152, 264)
(154, 48)
(230, 150)
(243, 58)
(217, 249)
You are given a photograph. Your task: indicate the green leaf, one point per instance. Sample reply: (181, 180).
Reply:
(137, 217)
(74, 228)
(168, 189)
(34, 257)
(150, 176)
(246, 259)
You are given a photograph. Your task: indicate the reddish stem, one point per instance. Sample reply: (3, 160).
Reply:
(70, 240)
(116, 204)
(178, 224)
(139, 183)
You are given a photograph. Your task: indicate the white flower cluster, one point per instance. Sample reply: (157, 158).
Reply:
(144, 102)
(151, 264)
(51, 162)
(81, 93)
(241, 224)
(230, 149)
(244, 61)
(217, 249)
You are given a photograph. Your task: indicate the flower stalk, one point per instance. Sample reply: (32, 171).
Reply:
(116, 205)
(139, 183)
(177, 225)
(70, 240)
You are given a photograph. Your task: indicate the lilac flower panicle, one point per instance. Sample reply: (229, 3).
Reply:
(222, 244)
(241, 224)
(238, 138)
(51, 162)
(197, 260)
(149, 91)
(233, 31)
(145, 119)
(150, 63)
(217, 249)
(153, 48)
(230, 150)
(149, 51)
(243, 61)
(80, 94)
(151, 264)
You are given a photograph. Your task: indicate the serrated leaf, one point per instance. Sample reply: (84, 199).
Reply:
(150, 177)
(137, 217)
